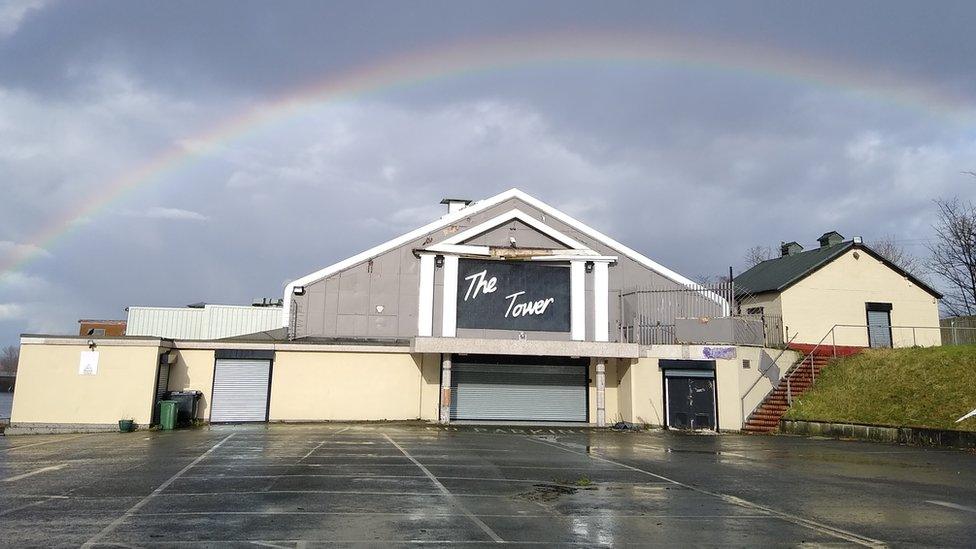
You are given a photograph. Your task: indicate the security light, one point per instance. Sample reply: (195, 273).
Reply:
(439, 261)
(298, 290)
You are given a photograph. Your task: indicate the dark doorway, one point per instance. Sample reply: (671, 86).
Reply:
(690, 401)
(879, 324)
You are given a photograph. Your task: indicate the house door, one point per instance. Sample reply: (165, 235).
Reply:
(690, 398)
(879, 324)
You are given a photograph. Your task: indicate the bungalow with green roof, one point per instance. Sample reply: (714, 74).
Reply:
(841, 293)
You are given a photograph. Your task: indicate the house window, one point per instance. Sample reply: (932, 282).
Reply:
(96, 331)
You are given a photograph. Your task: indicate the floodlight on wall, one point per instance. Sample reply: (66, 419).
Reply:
(91, 344)
(439, 261)
(589, 266)
(298, 290)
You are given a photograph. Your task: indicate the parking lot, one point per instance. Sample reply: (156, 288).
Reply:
(300, 485)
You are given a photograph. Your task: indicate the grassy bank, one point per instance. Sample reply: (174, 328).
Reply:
(930, 387)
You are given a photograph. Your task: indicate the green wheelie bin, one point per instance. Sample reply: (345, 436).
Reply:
(167, 414)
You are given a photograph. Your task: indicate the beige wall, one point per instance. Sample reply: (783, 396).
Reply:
(769, 301)
(641, 390)
(316, 386)
(50, 390)
(194, 370)
(837, 293)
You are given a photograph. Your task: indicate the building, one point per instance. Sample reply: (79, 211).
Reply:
(842, 293)
(204, 320)
(98, 328)
(505, 309)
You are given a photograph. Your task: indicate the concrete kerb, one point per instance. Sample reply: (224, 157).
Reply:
(915, 436)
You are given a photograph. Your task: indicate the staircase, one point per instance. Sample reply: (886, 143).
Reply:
(801, 376)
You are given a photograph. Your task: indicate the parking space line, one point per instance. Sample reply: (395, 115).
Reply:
(36, 472)
(735, 500)
(141, 503)
(951, 505)
(480, 523)
(312, 451)
(12, 448)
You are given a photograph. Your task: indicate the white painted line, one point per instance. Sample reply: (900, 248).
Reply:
(799, 521)
(36, 472)
(11, 449)
(312, 451)
(444, 515)
(491, 533)
(951, 505)
(141, 503)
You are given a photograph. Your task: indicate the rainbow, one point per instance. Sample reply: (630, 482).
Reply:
(577, 47)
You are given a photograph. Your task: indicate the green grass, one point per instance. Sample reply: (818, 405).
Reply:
(917, 387)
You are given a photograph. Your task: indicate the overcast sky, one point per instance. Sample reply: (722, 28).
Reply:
(689, 131)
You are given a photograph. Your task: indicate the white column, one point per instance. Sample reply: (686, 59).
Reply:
(425, 311)
(577, 300)
(601, 392)
(449, 316)
(601, 301)
(445, 388)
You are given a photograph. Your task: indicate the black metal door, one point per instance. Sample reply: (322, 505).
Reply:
(691, 402)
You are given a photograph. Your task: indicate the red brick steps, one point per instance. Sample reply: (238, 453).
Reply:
(801, 376)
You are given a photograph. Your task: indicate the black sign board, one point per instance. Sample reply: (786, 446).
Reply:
(513, 295)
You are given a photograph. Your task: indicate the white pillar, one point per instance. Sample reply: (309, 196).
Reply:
(601, 301)
(445, 415)
(425, 311)
(577, 300)
(449, 316)
(601, 392)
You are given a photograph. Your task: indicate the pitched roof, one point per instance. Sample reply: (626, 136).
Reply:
(778, 274)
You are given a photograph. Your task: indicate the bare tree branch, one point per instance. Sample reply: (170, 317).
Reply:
(9, 356)
(889, 249)
(953, 255)
(756, 255)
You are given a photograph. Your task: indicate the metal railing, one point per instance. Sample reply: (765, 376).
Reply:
(930, 336)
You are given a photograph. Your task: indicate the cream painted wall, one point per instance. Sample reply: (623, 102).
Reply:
(837, 293)
(50, 390)
(430, 387)
(193, 370)
(641, 391)
(316, 386)
(769, 301)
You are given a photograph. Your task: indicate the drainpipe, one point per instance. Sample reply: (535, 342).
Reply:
(446, 388)
(601, 392)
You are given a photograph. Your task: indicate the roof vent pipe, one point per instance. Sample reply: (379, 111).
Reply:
(455, 204)
(789, 248)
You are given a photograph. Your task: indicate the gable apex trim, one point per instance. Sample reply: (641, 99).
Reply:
(511, 215)
(474, 208)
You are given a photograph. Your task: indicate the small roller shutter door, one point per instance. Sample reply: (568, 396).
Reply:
(162, 383)
(240, 391)
(518, 392)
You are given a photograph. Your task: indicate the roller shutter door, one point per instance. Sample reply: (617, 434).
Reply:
(240, 391)
(162, 384)
(519, 392)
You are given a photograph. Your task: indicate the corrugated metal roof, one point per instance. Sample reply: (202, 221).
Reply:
(209, 322)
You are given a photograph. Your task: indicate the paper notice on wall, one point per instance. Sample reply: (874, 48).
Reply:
(88, 365)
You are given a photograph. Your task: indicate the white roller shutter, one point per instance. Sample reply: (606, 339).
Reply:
(240, 390)
(518, 392)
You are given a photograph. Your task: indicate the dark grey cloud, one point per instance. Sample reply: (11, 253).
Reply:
(689, 164)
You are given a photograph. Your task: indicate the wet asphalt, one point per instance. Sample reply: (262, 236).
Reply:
(381, 485)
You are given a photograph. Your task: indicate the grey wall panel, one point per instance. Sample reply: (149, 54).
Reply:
(240, 391)
(382, 326)
(525, 237)
(356, 291)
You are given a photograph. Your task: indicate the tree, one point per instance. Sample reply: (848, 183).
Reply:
(888, 248)
(756, 255)
(9, 356)
(953, 255)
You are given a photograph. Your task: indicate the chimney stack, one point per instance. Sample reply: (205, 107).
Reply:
(455, 204)
(830, 238)
(789, 248)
